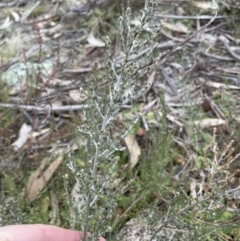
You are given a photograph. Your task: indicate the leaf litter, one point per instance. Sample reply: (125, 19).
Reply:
(206, 67)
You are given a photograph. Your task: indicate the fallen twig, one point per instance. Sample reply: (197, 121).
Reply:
(45, 108)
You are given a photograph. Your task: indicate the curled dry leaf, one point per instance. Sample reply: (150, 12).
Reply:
(134, 150)
(24, 133)
(94, 42)
(15, 16)
(40, 178)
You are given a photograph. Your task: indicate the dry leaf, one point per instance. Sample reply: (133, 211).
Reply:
(94, 42)
(55, 210)
(178, 26)
(193, 192)
(134, 150)
(40, 178)
(15, 16)
(236, 118)
(229, 70)
(77, 96)
(209, 122)
(218, 85)
(29, 11)
(41, 132)
(6, 23)
(24, 133)
(206, 5)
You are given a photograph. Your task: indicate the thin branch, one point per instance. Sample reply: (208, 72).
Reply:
(45, 108)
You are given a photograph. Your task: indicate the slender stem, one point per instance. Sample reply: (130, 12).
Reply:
(89, 197)
(95, 163)
(87, 217)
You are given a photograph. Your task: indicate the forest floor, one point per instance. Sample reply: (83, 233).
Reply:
(47, 51)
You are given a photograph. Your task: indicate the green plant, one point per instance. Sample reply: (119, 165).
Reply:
(99, 122)
(96, 203)
(108, 192)
(205, 202)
